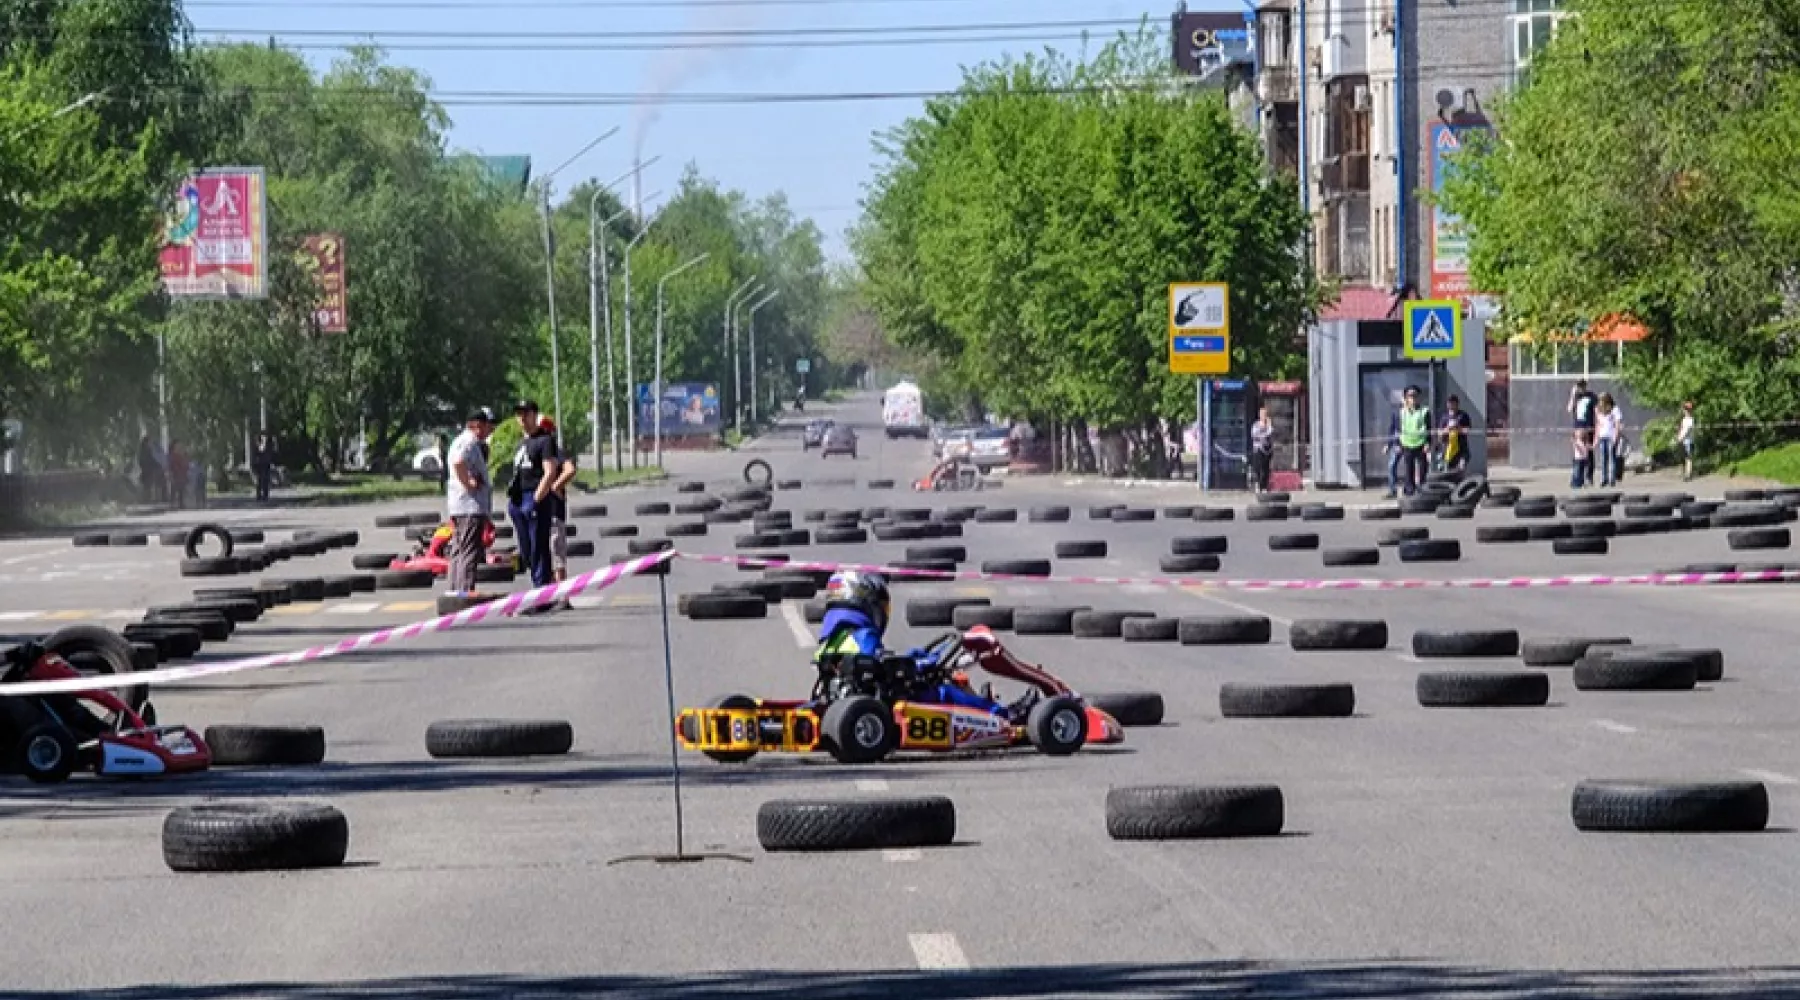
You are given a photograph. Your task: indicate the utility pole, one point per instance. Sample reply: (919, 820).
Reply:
(656, 388)
(550, 291)
(737, 368)
(727, 350)
(765, 300)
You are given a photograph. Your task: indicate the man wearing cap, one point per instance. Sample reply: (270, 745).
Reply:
(535, 469)
(469, 499)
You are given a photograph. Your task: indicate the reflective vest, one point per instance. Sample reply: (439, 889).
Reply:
(1414, 428)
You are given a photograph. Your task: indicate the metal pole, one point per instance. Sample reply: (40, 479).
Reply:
(1199, 435)
(737, 374)
(765, 300)
(162, 390)
(726, 354)
(630, 370)
(656, 386)
(550, 292)
(594, 334)
(662, 588)
(1305, 147)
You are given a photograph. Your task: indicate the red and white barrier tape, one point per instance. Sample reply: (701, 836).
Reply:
(1500, 583)
(596, 580)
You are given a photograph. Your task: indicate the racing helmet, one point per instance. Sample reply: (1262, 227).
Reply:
(865, 592)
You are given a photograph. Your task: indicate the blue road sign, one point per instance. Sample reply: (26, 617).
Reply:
(1433, 329)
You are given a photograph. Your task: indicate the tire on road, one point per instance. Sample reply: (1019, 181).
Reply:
(1431, 550)
(855, 824)
(1420, 503)
(211, 566)
(248, 835)
(1455, 512)
(1054, 514)
(840, 536)
(1129, 708)
(1081, 549)
(1104, 624)
(726, 607)
(1286, 701)
(373, 560)
(1630, 806)
(1452, 643)
(1742, 539)
(1295, 542)
(1193, 812)
(1502, 533)
(1045, 621)
(758, 473)
(939, 612)
(1483, 689)
(1266, 512)
(1532, 507)
(971, 615)
(1326, 634)
(1351, 557)
(401, 579)
(200, 533)
(1641, 671)
(107, 651)
(273, 745)
(1149, 629)
(880, 484)
(1379, 513)
(1223, 630)
(1580, 546)
(1188, 564)
(1017, 567)
(1563, 651)
(1394, 536)
(1199, 545)
(997, 515)
(1322, 512)
(1549, 532)
(499, 738)
(1215, 513)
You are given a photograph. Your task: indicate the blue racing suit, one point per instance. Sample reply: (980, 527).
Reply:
(849, 632)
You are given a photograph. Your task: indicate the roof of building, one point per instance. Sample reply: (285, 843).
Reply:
(1362, 302)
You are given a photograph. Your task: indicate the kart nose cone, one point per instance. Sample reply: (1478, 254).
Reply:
(1103, 728)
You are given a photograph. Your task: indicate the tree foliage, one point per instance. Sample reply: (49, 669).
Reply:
(1647, 170)
(1024, 231)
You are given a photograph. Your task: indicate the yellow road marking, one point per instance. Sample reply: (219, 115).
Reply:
(70, 616)
(312, 608)
(411, 606)
(633, 601)
(981, 591)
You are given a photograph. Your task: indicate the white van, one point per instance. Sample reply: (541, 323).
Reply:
(903, 411)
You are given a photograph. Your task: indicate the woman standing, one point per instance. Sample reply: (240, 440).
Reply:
(1262, 448)
(1608, 423)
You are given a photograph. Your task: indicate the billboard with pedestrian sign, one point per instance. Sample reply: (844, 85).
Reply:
(1199, 328)
(215, 237)
(1433, 329)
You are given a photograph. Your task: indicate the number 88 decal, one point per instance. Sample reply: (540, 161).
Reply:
(923, 730)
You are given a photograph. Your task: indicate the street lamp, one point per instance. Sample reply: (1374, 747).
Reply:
(765, 300)
(550, 274)
(77, 105)
(725, 349)
(599, 289)
(737, 371)
(630, 370)
(656, 387)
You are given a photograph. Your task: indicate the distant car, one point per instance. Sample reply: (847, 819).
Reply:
(427, 460)
(988, 448)
(814, 434)
(957, 441)
(839, 440)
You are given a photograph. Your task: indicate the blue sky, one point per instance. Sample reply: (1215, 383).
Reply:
(818, 153)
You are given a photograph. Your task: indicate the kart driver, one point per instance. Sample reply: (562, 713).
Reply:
(856, 619)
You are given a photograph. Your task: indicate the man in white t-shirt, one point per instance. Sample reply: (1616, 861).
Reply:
(1684, 436)
(469, 499)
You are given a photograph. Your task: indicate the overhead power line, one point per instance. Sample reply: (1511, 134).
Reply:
(699, 33)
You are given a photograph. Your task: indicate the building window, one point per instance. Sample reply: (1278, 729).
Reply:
(1531, 26)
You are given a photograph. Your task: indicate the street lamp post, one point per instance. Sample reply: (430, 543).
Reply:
(630, 369)
(737, 369)
(599, 298)
(656, 387)
(765, 300)
(726, 354)
(76, 105)
(550, 274)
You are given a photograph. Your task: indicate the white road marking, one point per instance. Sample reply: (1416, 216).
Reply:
(1772, 777)
(871, 785)
(1407, 658)
(355, 608)
(797, 625)
(125, 613)
(1614, 727)
(15, 560)
(902, 855)
(938, 952)
(18, 616)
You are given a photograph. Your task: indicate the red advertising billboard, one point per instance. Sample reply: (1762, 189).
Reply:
(215, 238)
(323, 255)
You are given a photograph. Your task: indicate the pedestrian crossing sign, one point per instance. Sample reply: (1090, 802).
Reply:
(1433, 329)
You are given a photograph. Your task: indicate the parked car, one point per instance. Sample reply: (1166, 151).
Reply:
(814, 434)
(839, 440)
(957, 442)
(988, 448)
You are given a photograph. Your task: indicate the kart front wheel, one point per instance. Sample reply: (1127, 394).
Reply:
(1057, 726)
(46, 754)
(732, 756)
(861, 730)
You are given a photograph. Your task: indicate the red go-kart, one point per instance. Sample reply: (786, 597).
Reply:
(434, 554)
(49, 737)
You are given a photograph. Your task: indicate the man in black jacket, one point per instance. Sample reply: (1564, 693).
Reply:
(536, 466)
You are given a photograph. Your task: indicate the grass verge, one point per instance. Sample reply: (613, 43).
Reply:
(1780, 463)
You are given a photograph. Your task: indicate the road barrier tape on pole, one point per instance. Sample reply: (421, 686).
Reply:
(1495, 583)
(596, 580)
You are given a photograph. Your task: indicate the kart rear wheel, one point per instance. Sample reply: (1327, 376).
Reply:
(732, 756)
(861, 730)
(1057, 726)
(46, 754)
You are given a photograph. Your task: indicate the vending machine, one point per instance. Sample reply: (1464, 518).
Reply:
(1286, 403)
(1225, 434)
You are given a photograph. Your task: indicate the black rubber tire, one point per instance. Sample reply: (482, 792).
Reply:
(270, 745)
(787, 484)
(1746, 496)
(1709, 664)
(598, 509)
(128, 539)
(245, 835)
(1743, 539)
(1334, 634)
(1215, 514)
(1104, 624)
(911, 515)
(997, 515)
(855, 824)
(1502, 533)
(1456, 643)
(1295, 542)
(1420, 503)
(1193, 812)
(1102, 512)
(1579, 546)
(1199, 545)
(1532, 507)
(1238, 630)
(275, 593)
(880, 484)
(111, 653)
(891, 531)
(1431, 550)
(392, 520)
(1045, 621)
(688, 487)
(1273, 496)
(952, 553)
(1351, 557)
(1178, 512)
(841, 726)
(1266, 512)
(1454, 512)
(794, 537)
(212, 626)
(1641, 671)
(758, 473)
(1081, 549)
(1594, 529)
(402, 579)
(1632, 806)
(90, 539)
(212, 566)
(1381, 513)
(1149, 629)
(372, 560)
(1286, 701)
(685, 529)
(1017, 567)
(726, 607)
(201, 532)
(498, 738)
(581, 549)
(1394, 536)
(1496, 502)
(172, 642)
(939, 612)
(1129, 708)
(969, 616)
(840, 536)
(648, 546)
(814, 611)
(1322, 512)
(1470, 491)
(692, 508)
(1756, 516)
(1563, 652)
(656, 508)
(1549, 532)
(1483, 689)
(1188, 564)
(618, 531)
(756, 540)
(340, 586)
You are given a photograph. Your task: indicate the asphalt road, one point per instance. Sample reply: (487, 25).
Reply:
(1427, 853)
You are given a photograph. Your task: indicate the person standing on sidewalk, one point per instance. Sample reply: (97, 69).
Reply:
(1684, 436)
(1415, 434)
(468, 500)
(1582, 408)
(262, 466)
(1262, 448)
(536, 466)
(1607, 427)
